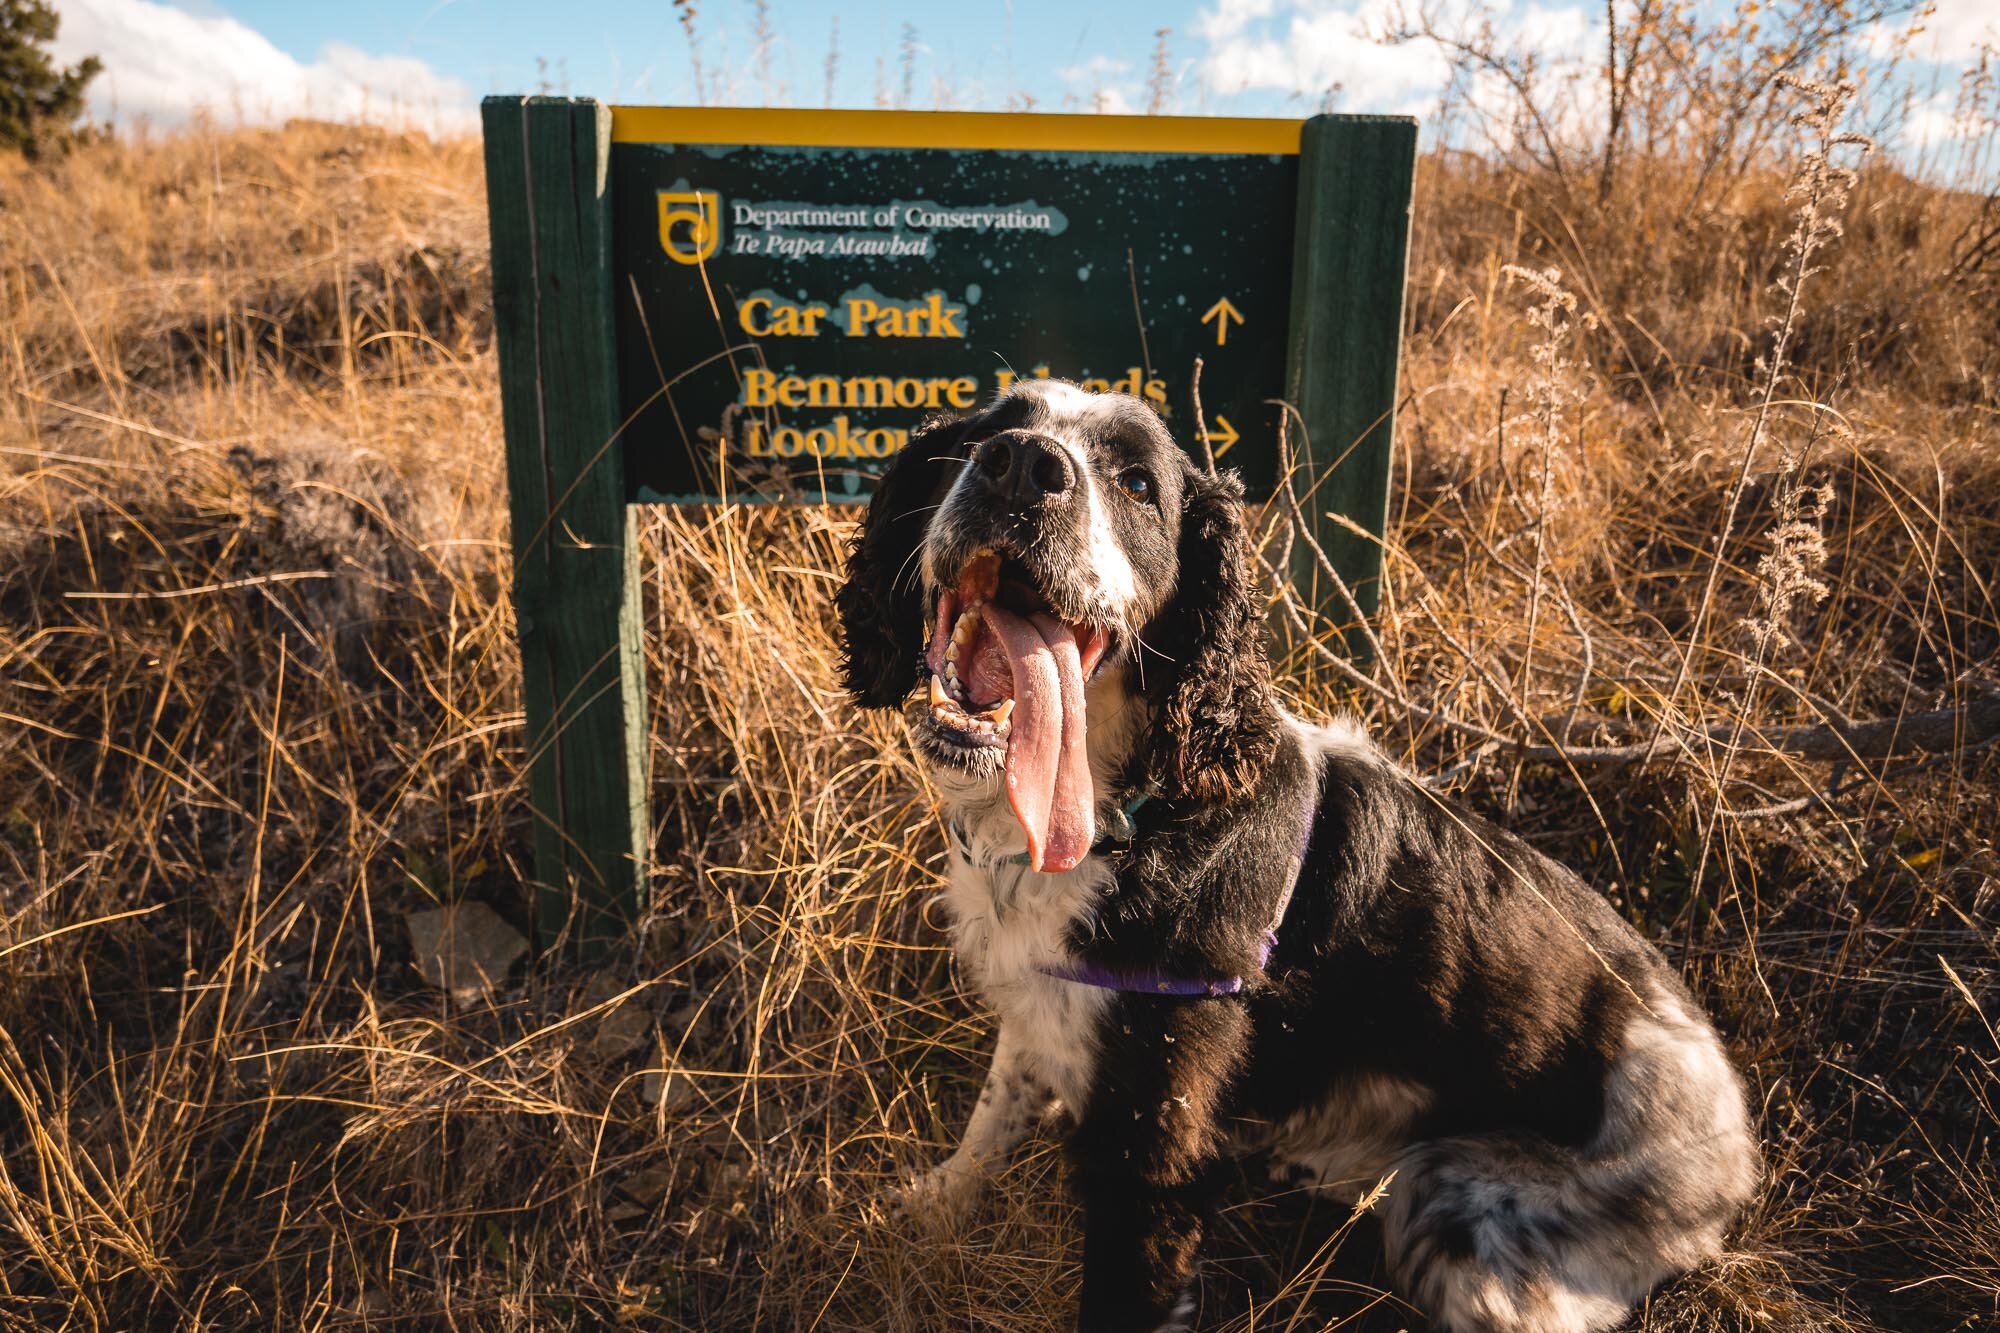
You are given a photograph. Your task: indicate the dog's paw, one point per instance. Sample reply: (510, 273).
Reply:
(941, 1197)
(1180, 1319)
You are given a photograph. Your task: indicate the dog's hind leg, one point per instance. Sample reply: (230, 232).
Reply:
(1014, 1099)
(1504, 1235)
(1515, 1234)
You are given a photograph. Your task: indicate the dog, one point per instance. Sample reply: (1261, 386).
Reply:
(1210, 928)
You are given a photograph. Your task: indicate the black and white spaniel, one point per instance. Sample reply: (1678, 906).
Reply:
(1211, 928)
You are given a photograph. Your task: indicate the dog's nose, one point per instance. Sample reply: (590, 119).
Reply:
(1025, 467)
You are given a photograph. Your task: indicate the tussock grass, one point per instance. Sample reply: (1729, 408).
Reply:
(258, 701)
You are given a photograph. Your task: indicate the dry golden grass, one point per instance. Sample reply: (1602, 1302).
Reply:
(258, 702)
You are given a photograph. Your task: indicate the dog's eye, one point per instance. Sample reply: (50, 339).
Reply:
(1135, 483)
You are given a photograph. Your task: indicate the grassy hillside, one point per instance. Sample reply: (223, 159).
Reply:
(258, 704)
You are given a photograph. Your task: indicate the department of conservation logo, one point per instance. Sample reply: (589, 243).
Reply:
(690, 224)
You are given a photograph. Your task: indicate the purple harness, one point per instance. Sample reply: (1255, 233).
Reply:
(1149, 981)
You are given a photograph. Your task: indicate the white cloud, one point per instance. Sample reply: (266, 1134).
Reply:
(1231, 17)
(1313, 47)
(166, 64)
(1566, 33)
(1944, 140)
(1932, 121)
(1568, 45)
(1298, 51)
(1102, 84)
(1956, 29)
(1307, 48)
(1096, 69)
(1951, 34)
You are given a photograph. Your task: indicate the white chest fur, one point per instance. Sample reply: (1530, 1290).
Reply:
(1008, 923)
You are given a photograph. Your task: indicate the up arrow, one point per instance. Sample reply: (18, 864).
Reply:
(1220, 439)
(1222, 312)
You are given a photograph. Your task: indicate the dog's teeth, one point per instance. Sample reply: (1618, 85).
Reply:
(1002, 711)
(938, 697)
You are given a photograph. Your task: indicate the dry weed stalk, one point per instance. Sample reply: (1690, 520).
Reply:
(832, 66)
(763, 42)
(1555, 390)
(1159, 75)
(908, 48)
(684, 12)
(1793, 569)
(1819, 190)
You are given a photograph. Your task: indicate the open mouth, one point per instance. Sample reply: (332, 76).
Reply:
(1007, 670)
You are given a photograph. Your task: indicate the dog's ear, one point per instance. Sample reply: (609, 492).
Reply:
(1215, 716)
(881, 604)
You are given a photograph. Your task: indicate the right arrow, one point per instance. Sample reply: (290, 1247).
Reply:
(1220, 440)
(1222, 312)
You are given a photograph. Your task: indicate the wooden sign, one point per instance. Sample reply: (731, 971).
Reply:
(751, 306)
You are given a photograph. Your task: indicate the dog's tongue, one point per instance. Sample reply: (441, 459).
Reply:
(1048, 766)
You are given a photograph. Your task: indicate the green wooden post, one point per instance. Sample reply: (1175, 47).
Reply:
(576, 583)
(1351, 254)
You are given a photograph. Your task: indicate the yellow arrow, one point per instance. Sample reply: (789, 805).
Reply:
(1222, 312)
(1220, 440)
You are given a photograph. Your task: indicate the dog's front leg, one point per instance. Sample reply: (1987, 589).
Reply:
(1146, 1156)
(1014, 1098)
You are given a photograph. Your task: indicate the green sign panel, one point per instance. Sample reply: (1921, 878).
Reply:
(702, 305)
(793, 312)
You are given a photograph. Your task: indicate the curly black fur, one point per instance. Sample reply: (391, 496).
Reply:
(881, 604)
(1206, 671)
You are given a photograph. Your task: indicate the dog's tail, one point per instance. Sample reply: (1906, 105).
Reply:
(1515, 1234)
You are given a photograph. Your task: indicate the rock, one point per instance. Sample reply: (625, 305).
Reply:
(664, 1086)
(622, 1028)
(668, 1086)
(464, 949)
(648, 1186)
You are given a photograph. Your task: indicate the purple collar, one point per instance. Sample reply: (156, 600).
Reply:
(1148, 981)
(1144, 981)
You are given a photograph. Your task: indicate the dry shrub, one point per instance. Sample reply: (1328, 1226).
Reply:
(1657, 181)
(248, 260)
(258, 702)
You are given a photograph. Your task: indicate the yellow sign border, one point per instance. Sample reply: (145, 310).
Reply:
(1030, 132)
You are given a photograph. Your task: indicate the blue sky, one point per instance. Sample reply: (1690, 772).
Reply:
(628, 50)
(430, 60)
